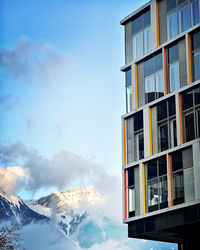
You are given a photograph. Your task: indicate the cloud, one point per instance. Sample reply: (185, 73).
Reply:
(10, 179)
(45, 236)
(63, 170)
(32, 61)
(8, 101)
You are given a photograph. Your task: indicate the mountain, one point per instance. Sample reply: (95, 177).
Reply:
(14, 209)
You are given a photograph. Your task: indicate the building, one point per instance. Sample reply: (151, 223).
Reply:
(161, 127)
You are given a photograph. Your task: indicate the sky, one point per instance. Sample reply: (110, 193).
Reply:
(60, 82)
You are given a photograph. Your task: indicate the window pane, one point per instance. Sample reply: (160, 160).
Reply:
(138, 45)
(183, 18)
(141, 146)
(147, 18)
(152, 169)
(153, 195)
(159, 84)
(197, 65)
(187, 100)
(130, 140)
(128, 77)
(149, 66)
(149, 88)
(194, 12)
(163, 137)
(173, 53)
(131, 202)
(147, 40)
(180, 1)
(158, 62)
(178, 188)
(174, 76)
(163, 192)
(162, 165)
(189, 127)
(172, 106)
(197, 95)
(177, 161)
(198, 121)
(173, 133)
(131, 178)
(161, 111)
(129, 105)
(189, 184)
(137, 24)
(196, 41)
(171, 4)
(172, 29)
(138, 120)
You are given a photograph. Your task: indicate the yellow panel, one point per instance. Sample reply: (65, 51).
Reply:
(144, 189)
(150, 132)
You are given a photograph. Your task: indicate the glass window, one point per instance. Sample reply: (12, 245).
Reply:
(197, 96)
(172, 106)
(137, 24)
(131, 195)
(138, 121)
(187, 99)
(172, 26)
(158, 61)
(147, 18)
(138, 45)
(152, 169)
(194, 12)
(159, 84)
(163, 192)
(153, 195)
(149, 66)
(198, 121)
(189, 127)
(174, 76)
(177, 161)
(178, 188)
(147, 40)
(189, 184)
(131, 180)
(163, 137)
(162, 165)
(139, 145)
(128, 76)
(171, 4)
(173, 133)
(129, 100)
(196, 41)
(180, 1)
(183, 18)
(173, 53)
(149, 88)
(161, 111)
(197, 65)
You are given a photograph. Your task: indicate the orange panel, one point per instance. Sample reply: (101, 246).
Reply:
(136, 87)
(165, 69)
(124, 140)
(189, 58)
(125, 195)
(180, 119)
(169, 179)
(157, 25)
(144, 189)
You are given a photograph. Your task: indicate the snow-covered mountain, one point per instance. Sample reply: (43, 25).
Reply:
(12, 208)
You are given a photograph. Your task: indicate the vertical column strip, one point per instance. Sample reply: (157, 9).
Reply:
(180, 119)
(136, 87)
(169, 179)
(124, 142)
(189, 58)
(150, 132)
(157, 24)
(143, 187)
(165, 68)
(125, 194)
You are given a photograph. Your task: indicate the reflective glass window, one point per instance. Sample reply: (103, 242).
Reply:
(147, 40)
(172, 26)
(177, 162)
(149, 66)
(158, 61)
(196, 41)
(178, 188)
(173, 53)
(183, 18)
(197, 65)
(194, 10)
(161, 111)
(171, 4)
(147, 18)
(137, 24)
(138, 121)
(174, 76)
(187, 99)
(128, 76)
(149, 88)
(173, 133)
(197, 96)
(163, 192)
(163, 137)
(153, 197)
(162, 165)
(138, 45)
(172, 106)
(129, 105)
(189, 127)
(152, 169)
(159, 84)
(131, 180)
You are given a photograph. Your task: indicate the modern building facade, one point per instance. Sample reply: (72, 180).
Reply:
(161, 127)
